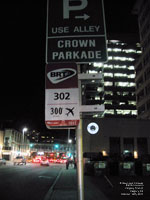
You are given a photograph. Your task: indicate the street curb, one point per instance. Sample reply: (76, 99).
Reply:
(50, 191)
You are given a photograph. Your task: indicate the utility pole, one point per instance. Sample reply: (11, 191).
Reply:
(80, 177)
(79, 136)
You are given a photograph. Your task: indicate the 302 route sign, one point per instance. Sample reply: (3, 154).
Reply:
(61, 96)
(75, 31)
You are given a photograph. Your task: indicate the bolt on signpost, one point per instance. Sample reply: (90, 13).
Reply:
(75, 34)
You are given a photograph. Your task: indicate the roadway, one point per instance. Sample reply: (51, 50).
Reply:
(32, 181)
(27, 182)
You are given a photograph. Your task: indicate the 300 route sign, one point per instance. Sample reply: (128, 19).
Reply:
(61, 96)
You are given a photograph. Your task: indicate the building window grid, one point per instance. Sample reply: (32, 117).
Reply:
(128, 66)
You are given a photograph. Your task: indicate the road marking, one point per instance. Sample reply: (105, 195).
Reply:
(108, 181)
(50, 191)
(48, 177)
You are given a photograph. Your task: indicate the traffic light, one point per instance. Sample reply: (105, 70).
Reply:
(56, 146)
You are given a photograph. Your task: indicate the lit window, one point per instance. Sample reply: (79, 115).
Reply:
(114, 41)
(131, 84)
(131, 67)
(98, 64)
(131, 59)
(108, 83)
(122, 103)
(117, 50)
(122, 84)
(109, 112)
(129, 50)
(108, 66)
(120, 66)
(123, 58)
(100, 89)
(108, 74)
(134, 112)
(132, 103)
(125, 84)
(123, 112)
(108, 102)
(95, 116)
(139, 52)
(127, 112)
(110, 57)
(109, 49)
(97, 98)
(92, 71)
(131, 76)
(108, 93)
(120, 75)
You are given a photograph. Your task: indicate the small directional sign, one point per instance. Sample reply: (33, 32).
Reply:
(75, 31)
(61, 95)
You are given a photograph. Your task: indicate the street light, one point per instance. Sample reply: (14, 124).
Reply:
(24, 130)
(70, 141)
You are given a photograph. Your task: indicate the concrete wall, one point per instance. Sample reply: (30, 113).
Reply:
(122, 128)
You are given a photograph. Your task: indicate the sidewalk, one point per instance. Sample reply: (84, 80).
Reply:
(66, 188)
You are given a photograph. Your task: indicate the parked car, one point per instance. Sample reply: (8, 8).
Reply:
(19, 160)
(29, 160)
(37, 159)
(2, 161)
(44, 161)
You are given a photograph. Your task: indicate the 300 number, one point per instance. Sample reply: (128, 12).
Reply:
(56, 111)
(62, 96)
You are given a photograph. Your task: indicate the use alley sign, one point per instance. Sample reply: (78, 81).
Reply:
(61, 96)
(75, 31)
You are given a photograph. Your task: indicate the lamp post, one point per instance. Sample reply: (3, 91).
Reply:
(70, 141)
(23, 131)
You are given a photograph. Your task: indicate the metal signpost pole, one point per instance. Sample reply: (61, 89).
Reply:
(80, 177)
(79, 136)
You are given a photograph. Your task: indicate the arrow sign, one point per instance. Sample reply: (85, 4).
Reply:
(75, 32)
(85, 17)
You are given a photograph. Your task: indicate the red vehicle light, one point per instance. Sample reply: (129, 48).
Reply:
(37, 159)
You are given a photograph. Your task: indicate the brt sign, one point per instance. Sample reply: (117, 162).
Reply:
(61, 96)
(75, 31)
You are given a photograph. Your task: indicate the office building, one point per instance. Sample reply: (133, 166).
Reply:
(142, 67)
(117, 90)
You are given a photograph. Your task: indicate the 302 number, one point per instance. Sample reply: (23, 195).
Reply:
(62, 96)
(56, 111)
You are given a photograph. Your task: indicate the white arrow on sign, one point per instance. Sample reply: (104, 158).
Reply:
(85, 17)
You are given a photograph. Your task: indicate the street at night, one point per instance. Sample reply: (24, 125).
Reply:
(53, 182)
(75, 100)
(30, 181)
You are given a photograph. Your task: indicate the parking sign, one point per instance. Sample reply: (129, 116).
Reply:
(75, 31)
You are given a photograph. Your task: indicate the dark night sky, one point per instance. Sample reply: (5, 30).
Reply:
(22, 56)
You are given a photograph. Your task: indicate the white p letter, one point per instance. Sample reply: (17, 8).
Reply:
(67, 8)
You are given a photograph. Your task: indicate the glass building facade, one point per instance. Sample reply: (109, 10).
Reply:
(117, 90)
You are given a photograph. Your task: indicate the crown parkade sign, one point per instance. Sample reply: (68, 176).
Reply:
(75, 31)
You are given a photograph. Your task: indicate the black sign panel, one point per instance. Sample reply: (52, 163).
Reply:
(75, 31)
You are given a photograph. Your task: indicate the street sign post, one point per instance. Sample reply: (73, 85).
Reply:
(75, 31)
(61, 96)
